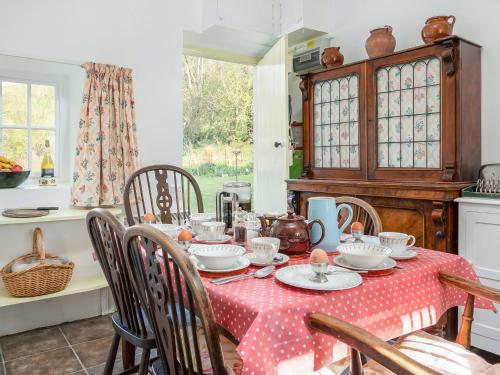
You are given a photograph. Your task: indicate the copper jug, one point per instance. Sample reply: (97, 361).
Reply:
(293, 232)
(331, 57)
(437, 27)
(380, 42)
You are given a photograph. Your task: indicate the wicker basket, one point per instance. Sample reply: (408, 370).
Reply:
(40, 279)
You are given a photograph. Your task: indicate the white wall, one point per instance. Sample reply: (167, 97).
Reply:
(143, 35)
(476, 21)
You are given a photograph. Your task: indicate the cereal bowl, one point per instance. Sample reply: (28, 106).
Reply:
(364, 255)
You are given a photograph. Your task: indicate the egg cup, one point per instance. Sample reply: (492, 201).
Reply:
(319, 270)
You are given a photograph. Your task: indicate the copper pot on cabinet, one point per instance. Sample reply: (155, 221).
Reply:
(293, 232)
(331, 57)
(380, 42)
(437, 27)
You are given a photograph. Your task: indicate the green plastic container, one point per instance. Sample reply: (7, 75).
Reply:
(298, 164)
(469, 192)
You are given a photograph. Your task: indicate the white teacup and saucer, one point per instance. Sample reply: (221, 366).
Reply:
(398, 243)
(265, 252)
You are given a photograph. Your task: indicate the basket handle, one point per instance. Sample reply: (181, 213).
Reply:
(38, 248)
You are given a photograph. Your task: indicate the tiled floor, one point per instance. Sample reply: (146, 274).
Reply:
(73, 348)
(78, 348)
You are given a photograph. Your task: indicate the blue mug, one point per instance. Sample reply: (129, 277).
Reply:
(326, 210)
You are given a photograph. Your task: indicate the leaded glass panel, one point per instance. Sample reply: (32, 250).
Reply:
(336, 123)
(409, 115)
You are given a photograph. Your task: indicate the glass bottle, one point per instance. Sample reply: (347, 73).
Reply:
(239, 226)
(252, 225)
(47, 166)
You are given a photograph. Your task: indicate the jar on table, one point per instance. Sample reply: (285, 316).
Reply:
(252, 225)
(239, 226)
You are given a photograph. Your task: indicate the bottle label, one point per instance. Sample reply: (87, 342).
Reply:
(47, 172)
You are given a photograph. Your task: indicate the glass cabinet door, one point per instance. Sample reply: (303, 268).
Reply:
(337, 128)
(409, 115)
(406, 97)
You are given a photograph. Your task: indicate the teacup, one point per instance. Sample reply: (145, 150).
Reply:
(397, 242)
(213, 230)
(265, 248)
(197, 219)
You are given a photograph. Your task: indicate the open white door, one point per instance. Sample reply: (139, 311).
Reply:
(270, 127)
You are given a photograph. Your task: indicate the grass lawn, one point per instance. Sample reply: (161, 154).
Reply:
(211, 185)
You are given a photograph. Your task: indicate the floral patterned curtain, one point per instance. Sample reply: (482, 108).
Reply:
(106, 153)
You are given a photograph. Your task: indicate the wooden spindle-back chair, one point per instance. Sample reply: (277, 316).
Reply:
(362, 212)
(106, 234)
(177, 305)
(168, 192)
(361, 341)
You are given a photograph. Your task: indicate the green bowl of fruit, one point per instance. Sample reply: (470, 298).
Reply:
(11, 174)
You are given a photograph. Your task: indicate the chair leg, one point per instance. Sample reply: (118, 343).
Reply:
(128, 354)
(144, 366)
(110, 361)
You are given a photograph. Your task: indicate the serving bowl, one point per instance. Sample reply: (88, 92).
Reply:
(171, 230)
(364, 255)
(12, 179)
(218, 257)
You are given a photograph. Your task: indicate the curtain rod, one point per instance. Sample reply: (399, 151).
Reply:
(42, 59)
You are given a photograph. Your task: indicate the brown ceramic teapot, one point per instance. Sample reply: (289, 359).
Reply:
(437, 27)
(293, 232)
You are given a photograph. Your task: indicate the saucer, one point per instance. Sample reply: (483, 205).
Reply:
(204, 240)
(385, 265)
(241, 263)
(407, 254)
(284, 258)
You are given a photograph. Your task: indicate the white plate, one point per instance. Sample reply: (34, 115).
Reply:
(299, 275)
(203, 238)
(284, 259)
(407, 254)
(385, 265)
(241, 263)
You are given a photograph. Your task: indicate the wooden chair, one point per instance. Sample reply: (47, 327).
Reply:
(430, 349)
(362, 212)
(106, 234)
(177, 305)
(164, 190)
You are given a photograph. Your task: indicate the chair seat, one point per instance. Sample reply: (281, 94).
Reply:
(445, 357)
(232, 359)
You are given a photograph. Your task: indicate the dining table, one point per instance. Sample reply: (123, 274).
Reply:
(268, 318)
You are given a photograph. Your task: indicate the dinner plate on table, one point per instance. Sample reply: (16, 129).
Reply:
(385, 265)
(278, 260)
(298, 276)
(241, 263)
(405, 255)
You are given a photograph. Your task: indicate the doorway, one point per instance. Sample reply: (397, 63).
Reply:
(217, 123)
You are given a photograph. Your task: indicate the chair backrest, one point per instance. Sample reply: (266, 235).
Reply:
(362, 212)
(106, 234)
(175, 300)
(167, 191)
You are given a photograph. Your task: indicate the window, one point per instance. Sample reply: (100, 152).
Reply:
(28, 117)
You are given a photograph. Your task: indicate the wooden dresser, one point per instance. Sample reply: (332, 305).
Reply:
(401, 131)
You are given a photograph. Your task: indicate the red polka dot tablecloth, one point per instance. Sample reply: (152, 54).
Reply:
(268, 317)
